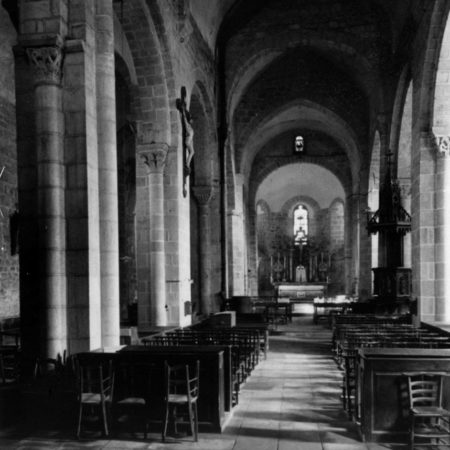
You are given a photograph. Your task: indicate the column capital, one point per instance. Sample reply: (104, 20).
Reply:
(154, 156)
(203, 194)
(47, 63)
(442, 144)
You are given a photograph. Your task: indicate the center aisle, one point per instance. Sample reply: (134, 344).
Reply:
(292, 400)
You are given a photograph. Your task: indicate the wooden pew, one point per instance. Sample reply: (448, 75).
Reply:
(211, 407)
(382, 387)
(211, 403)
(244, 346)
(256, 321)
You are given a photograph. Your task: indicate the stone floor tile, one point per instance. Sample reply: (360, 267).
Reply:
(386, 446)
(341, 446)
(255, 443)
(295, 445)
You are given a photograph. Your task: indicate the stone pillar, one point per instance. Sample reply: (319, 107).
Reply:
(348, 244)
(442, 236)
(203, 195)
(46, 63)
(423, 229)
(154, 156)
(238, 240)
(364, 248)
(107, 167)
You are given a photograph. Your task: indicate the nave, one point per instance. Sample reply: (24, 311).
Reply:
(290, 402)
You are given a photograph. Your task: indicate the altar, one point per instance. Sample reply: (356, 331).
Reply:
(300, 295)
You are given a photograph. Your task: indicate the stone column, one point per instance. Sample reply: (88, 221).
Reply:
(107, 167)
(442, 237)
(423, 228)
(238, 241)
(349, 244)
(46, 63)
(203, 195)
(364, 251)
(154, 156)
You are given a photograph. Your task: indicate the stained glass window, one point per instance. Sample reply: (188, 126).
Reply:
(300, 225)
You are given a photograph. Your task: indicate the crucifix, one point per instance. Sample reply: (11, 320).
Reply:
(188, 136)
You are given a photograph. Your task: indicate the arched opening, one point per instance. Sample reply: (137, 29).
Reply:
(126, 180)
(300, 228)
(373, 199)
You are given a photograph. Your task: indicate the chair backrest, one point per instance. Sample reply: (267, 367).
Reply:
(425, 388)
(182, 379)
(95, 373)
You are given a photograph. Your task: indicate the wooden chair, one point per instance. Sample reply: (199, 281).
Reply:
(182, 390)
(132, 386)
(95, 378)
(429, 421)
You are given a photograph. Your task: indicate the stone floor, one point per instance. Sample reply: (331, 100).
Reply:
(291, 402)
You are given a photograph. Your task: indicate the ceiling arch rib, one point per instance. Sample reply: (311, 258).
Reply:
(340, 54)
(300, 75)
(300, 115)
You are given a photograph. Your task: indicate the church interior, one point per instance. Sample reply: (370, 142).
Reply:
(253, 189)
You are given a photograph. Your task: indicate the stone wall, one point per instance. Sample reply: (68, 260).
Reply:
(9, 263)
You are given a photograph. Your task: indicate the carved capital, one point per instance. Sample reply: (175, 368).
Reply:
(442, 144)
(46, 63)
(153, 156)
(203, 194)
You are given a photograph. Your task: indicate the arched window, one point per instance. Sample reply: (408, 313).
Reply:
(299, 144)
(300, 225)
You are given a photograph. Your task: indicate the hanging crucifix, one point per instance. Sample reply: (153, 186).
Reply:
(188, 137)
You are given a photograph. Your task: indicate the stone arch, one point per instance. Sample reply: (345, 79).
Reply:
(310, 115)
(403, 163)
(291, 204)
(259, 173)
(157, 131)
(398, 109)
(145, 35)
(122, 48)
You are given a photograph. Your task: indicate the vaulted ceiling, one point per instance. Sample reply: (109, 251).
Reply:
(323, 68)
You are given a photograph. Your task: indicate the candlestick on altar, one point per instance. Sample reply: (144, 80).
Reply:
(291, 266)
